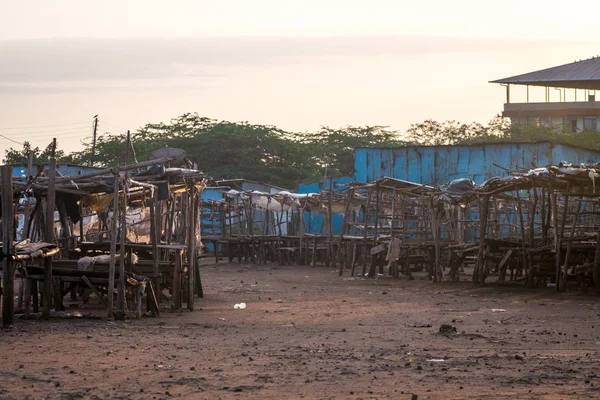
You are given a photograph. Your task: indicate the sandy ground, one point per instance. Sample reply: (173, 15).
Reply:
(306, 333)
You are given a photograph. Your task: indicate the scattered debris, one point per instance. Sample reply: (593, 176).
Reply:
(446, 329)
(419, 325)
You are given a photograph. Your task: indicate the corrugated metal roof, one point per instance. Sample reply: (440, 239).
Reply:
(580, 75)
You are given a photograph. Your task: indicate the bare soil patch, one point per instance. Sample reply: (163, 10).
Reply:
(306, 333)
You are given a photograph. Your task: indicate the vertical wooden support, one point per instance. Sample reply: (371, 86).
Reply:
(177, 279)
(435, 231)
(8, 279)
(301, 231)
(154, 244)
(366, 228)
(123, 225)
(372, 270)
(49, 234)
(561, 234)
(393, 264)
(393, 221)
(191, 241)
(113, 247)
(596, 271)
(557, 241)
(158, 232)
(523, 236)
(344, 228)
(330, 255)
(27, 214)
(479, 273)
(196, 226)
(565, 267)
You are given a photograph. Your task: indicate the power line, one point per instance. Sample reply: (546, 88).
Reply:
(113, 125)
(43, 126)
(48, 131)
(14, 141)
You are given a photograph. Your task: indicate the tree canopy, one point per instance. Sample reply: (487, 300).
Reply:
(264, 153)
(21, 156)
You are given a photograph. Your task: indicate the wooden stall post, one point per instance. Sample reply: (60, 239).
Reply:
(329, 252)
(557, 241)
(154, 285)
(177, 279)
(596, 272)
(565, 267)
(196, 226)
(27, 214)
(344, 227)
(191, 241)
(479, 273)
(121, 288)
(8, 279)
(113, 247)
(523, 236)
(435, 231)
(49, 234)
(373, 270)
(366, 226)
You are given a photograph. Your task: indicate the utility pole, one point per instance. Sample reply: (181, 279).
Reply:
(91, 162)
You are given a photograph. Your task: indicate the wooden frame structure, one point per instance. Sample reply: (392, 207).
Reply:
(167, 196)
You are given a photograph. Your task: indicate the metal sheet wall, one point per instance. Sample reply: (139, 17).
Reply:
(436, 165)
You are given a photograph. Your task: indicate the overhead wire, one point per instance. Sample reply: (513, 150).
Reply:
(14, 141)
(64, 131)
(113, 125)
(42, 126)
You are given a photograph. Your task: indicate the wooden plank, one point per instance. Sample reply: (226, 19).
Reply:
(93, 288)
(8, 281)
(123, 229)
(177, 280)
(113, 248)
(378, 249)
(154, 244)
(196, 224)
(49, 234)
(505, 259)
(191, 251)
(366, 224)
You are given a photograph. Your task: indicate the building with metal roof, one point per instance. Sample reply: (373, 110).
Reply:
(568, 102)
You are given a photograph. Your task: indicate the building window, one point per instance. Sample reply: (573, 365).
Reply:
(570, 124)
(590, 124)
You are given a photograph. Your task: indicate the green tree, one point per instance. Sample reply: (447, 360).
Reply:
(433, 133)
(334, 148)
(21, 156)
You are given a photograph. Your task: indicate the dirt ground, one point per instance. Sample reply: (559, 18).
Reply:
(306, 333)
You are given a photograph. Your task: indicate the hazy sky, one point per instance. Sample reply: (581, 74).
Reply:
(294, 64)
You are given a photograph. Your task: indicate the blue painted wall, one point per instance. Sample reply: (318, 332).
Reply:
(437, 165)
(313, 221)
(20, 170)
